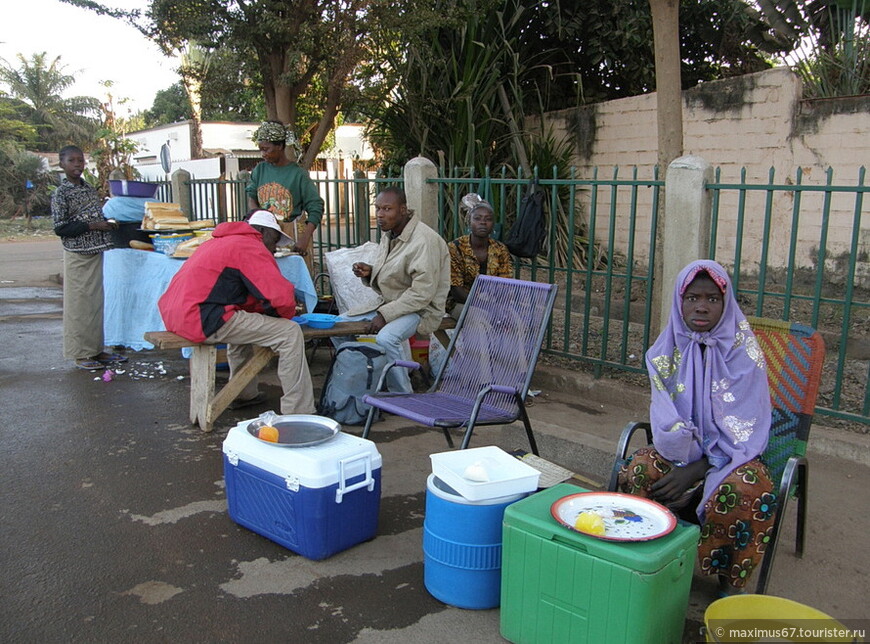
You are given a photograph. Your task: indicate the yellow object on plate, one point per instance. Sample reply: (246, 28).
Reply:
(590, 523)
(268, 433)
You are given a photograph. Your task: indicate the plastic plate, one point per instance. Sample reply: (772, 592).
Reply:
(626, 517)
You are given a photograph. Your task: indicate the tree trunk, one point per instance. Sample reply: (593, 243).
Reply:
(669, 106)
(194, 95)
(666, 32)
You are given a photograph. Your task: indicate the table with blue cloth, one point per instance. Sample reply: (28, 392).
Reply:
(133, 281)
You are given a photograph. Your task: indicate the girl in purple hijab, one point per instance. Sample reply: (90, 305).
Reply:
(710, 414)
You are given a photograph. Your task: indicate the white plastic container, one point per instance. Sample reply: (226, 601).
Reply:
(505, 474)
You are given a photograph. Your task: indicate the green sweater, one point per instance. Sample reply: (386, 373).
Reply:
(286, 191)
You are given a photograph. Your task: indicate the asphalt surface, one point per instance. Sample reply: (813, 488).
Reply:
(115, 528)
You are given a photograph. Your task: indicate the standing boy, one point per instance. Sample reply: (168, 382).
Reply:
(78, 220)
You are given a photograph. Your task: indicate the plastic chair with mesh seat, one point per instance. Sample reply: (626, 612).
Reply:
(794, 354)
(490, 361)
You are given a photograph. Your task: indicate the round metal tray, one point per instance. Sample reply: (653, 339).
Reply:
(297, 430)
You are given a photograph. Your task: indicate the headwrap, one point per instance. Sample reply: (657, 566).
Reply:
(471, 201)
(273, 131)
(715, 402)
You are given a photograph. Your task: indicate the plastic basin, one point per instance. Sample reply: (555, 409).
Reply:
(320, 320)
(763, 618)
(133, 188)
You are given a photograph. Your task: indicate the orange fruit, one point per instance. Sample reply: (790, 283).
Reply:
(268, 433)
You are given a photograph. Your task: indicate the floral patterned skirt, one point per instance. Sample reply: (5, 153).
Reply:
(738, 517)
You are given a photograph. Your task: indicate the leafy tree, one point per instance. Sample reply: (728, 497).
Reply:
(170, 105)
(304, 50)
(13, 126)
(445, 85)
(17, 168)
(113, 152)
(231, 88)
(40, 85)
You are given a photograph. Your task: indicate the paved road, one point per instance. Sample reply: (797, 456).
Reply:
(115, 527)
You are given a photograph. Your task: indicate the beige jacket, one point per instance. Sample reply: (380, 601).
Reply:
(413, 277)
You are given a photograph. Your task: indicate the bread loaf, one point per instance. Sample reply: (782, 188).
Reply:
(140, 245)
(187, 248)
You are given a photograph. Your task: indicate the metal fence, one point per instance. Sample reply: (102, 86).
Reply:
(804, 267)
(810, 266)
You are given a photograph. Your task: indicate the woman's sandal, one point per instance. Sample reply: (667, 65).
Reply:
(108, 358)
(88, 364)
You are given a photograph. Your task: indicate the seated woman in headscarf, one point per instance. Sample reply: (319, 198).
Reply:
(284, 188)
(475, 254)
(710, 413)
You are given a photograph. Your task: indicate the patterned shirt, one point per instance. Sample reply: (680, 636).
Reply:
(73, 208)
(464, 266)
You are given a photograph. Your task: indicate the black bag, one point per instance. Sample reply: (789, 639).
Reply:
(526, 236)
(354, 372)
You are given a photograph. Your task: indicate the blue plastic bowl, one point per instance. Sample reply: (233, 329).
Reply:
(320, 320)
(133, 188)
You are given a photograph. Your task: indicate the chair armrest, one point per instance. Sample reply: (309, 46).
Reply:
(408, 364)
(622, 449)
(628, 432)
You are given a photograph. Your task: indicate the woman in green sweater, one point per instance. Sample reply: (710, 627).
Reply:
(283, 187)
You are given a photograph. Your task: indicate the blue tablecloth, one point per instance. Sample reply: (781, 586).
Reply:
(134, 280)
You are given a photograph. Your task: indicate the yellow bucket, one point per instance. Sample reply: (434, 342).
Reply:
(762, 618)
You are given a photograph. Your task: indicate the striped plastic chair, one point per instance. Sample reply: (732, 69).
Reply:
(794, 354)
(490, 361)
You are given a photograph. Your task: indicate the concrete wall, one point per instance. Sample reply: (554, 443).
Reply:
(756, 122)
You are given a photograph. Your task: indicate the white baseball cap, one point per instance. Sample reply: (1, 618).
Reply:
(267, 220)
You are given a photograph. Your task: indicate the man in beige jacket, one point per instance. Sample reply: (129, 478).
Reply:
(412, 276)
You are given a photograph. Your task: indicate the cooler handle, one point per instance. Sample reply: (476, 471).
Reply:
(368, 481)
(569, 540)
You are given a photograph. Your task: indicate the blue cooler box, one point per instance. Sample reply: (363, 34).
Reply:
(315, 501)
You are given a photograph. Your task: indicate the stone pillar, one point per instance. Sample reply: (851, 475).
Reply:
(422, 196)
(686, 225)
(181, 191)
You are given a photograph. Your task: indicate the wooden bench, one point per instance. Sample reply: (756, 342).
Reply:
(206, 405)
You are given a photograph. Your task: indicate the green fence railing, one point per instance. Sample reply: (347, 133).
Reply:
(804, 266)
(817, 251)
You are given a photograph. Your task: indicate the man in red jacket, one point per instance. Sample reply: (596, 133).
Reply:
(231, 291)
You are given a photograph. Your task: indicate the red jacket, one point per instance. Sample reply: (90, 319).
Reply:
(233, 271)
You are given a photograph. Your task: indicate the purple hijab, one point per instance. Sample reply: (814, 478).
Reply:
(716, 403)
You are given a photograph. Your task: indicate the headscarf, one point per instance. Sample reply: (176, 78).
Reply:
(716, 402)
(472, 201)
(273, 131)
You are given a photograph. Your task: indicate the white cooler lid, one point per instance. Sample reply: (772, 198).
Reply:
(315, 467)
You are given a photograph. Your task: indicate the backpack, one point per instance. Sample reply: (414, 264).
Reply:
(354, 372)
(526, 236)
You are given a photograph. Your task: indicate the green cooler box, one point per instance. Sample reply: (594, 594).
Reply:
(564, 587)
